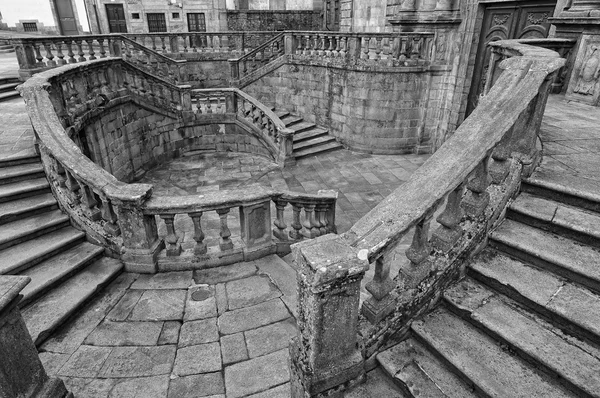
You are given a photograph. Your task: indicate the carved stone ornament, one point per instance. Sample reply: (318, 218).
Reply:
(537, 18)
(584, 85)
(501, 19)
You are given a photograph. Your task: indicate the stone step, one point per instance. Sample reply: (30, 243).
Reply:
(312, 151)
(291, 119)
(22, 230)
(23, 189)
(302, 126)
(567, 305)
(26, 207)
(47, 274)
(566, 188)
(312, 133)
(420, 374)
(7, 50)
(313, 142)
(8, 95)
(50, 311)
(562, 256)
(21, 172)
(568, 221)
(8, 87)
(572, 363)
(281, 114)
(17, 258)
(481, 361)
(8, 159)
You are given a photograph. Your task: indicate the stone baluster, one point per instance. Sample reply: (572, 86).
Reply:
(315, 44)
(499, 167)
(419, 250)
(366, 48)
(49, 56)
(73, 187)
(477, 197)
(70, 52)
(336, 47)
(61, 178)
(108, 214)
(102, 50)
(172, 240)
(296, 232)
(153, 40)
(308, 45)
(38, 56)
(281, 231)
(403, 56)
(59, 54)
(343, 46)
(309, 223)
(381, 303)
(298, 40)
(163, 45)
(416, 48)
(321, 217)
(80, 52)
(89, 203)
(225, 243)
(378, 47)
(200, 247)
(193, 39)
(449, 231)
(90, 43)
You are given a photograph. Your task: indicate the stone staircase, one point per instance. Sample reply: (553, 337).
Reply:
(37, 240)
(309, 139)
(525, 322)
(6, 47)
(7, 88)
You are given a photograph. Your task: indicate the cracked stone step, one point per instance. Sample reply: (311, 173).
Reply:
(562, 219)
(26, 207)
(566, 188)
(31, 252)
(313, 142)
(21, 230)
(302, 126)
(54, 270)
(420, 373)
(44, 315)
(312, 151)
(564, 257)
(21, 172)
(574, 364)
(22, 189)
(482, 361)
(305, 135)
(566, 304)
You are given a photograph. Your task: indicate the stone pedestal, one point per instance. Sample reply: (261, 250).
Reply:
(21, 371)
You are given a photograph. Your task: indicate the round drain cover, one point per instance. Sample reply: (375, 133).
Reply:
(201, 294)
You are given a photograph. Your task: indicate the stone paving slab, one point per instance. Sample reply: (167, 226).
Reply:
(281, 391)
(198, 332)
(169, 333)
(138, 362)
(270, 338)
(121, 311)
(87, 361)
(164, 280)
(200, 303)
(250, 291)
(233, 348)
(159, 305)
(245, 378)
(212, 276)
(125, 334)
(201, 358)
(252, 317)
(200, 385)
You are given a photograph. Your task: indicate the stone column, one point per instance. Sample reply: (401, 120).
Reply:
(21, 371)
(326, 355)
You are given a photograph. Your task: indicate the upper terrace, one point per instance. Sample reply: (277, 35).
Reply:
(498, 141)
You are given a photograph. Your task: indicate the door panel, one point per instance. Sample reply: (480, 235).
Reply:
(506, 21)
(116, 18)
(66, 17)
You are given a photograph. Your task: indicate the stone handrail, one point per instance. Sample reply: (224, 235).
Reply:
(258, 57)
(496, 142)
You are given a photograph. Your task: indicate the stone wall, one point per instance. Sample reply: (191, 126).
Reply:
(129, 139)
(249, 20)
(386, 111)
(367, 16)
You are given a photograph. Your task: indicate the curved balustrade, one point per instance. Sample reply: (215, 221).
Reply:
(259, 57)
(475, 172)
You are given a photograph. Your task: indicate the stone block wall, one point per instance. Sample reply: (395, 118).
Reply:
(257, 20)
(367, 110)
(128, 139)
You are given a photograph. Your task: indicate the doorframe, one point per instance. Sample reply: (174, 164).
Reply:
(54, 9)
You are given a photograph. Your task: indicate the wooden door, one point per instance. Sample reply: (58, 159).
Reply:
(522, 20)
(116, 18)
(66, 18)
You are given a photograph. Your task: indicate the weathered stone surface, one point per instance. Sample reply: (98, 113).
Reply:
(169, 333)
(252, 317)
(202, 358)
(164, 280)
(198, 332)
(53, 361)
(125, 333)
(159, 305)
(200, 385)
(279, 392)
(233, 348)
(257, 374)
(71, 336)
(200, 303)
(270, 338)
(284, 277)
(250, 291)
(121, 311)
(92, 388)
(221, 298)
(156, 386)
(87, 361)
(226, 273)
(138, 361)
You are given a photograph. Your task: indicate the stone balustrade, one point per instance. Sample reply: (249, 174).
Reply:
(475, 173)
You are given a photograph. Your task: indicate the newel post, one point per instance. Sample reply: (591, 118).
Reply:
(326, 356)
(286, 147)
(141, 243)
(21, 371)
(25, 57)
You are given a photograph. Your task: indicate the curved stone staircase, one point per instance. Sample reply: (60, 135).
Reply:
(525, 322)
(37, 240)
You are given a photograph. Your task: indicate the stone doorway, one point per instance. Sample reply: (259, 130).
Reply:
(503, 21)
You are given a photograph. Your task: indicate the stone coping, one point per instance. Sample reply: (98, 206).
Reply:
(10, 287)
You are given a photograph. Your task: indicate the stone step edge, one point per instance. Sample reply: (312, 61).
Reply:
(22, 192)
(317, 150)
(60, 220)
(562, 193)
(15, 160)
(529, 357)
(314, 142)
(42, 205)
(309, 134)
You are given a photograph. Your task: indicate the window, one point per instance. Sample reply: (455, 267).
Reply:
(196, 22)
(135, 15)
(175, 15)
(30, 26)
(157, 23)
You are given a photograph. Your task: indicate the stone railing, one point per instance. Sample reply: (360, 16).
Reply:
(345, 49)
(475, 172)
(63, 101)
